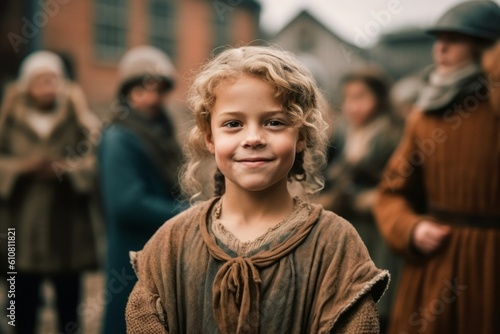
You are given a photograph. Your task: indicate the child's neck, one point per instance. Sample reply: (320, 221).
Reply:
(249, 214)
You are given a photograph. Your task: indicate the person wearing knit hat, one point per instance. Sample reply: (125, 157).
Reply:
(37, 63)
(46, 183)
(438, 203)
(138, 158)
(148, 65)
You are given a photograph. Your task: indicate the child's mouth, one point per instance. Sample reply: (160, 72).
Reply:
(254, 162)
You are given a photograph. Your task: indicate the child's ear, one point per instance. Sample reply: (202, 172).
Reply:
(301, 143)
(209, 142)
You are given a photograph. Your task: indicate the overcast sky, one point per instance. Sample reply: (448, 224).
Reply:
(357, 21)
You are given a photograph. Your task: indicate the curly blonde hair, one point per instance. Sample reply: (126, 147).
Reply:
(296, 91)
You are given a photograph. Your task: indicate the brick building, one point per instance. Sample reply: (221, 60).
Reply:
(92, 35)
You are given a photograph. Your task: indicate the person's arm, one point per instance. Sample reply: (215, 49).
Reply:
(360, 319)
(400, 192)
(11, 167)
(369, 174)
(125, 193)
(491, 66)
(81, 171)
(144, 313)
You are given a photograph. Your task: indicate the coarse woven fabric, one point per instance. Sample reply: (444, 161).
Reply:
(187, 283)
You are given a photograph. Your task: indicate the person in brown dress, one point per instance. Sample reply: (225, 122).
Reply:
(439, 200)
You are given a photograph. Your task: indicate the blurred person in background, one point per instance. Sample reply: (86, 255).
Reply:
(439, 203)
(362, 143)
(139, 159)
(47, 174)
(404, 93)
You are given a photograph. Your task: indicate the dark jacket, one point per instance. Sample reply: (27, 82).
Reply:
(346, 179)
(137, 201)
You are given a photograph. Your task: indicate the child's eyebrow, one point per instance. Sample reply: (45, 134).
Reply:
(240, 113)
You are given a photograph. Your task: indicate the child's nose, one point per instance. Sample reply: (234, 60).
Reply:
(254, 138)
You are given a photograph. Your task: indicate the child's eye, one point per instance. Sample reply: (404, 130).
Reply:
(275, 122)
(232, 124)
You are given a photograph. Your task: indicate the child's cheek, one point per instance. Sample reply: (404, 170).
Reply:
(223, 153)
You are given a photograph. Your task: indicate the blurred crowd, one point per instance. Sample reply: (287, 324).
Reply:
(413, 165)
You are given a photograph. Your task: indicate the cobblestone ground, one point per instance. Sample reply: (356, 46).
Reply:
(91, 307)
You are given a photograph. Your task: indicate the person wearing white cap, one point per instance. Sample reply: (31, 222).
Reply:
(47, 166)
(439, 201)
(139, 159)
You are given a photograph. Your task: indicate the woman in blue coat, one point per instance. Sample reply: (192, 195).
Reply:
(138, 159)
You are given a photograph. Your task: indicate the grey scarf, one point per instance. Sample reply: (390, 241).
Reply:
(157, 135)
(441, 90)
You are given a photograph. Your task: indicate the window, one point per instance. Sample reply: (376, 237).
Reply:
(110, 28)
(162, 28)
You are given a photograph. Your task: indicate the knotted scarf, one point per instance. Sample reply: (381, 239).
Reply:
(236, 288)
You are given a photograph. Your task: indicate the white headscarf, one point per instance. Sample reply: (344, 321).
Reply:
(37, 63)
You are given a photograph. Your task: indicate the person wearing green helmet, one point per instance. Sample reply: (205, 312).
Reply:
(439, 201)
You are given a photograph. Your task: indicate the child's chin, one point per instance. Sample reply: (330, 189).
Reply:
(256, 187)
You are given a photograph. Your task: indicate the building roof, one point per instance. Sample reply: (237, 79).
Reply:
(307, 16)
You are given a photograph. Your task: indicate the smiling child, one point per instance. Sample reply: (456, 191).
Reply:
(253, 258)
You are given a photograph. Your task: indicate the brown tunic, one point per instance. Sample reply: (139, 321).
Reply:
(447, 169)
(314, 281)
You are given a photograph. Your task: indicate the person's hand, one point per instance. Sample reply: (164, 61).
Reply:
(40, 167)
(47, 170)
(32, 163)
(428, 236)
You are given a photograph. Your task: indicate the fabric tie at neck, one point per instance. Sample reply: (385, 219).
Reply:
(242, 290)
(236, 288)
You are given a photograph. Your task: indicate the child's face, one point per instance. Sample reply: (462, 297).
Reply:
(452, 51)
(359, 103)
(253, 141)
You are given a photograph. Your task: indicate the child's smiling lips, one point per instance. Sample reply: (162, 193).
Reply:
(254, 161)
